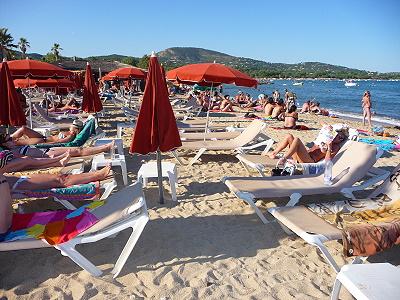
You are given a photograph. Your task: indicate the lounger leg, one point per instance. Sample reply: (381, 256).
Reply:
(172, 183)
(130, 244)
(177, 158)
(249, 199)
(79, 259)
(197, 156)
(328, 256)
(336, 290)
(294, 199)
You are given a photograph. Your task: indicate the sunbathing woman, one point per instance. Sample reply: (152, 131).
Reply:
(269, 107)
(301, 154)
(226, 104)
(28, 136)
(7, 143)
(278, 109)
(72, 104)
(290, 118)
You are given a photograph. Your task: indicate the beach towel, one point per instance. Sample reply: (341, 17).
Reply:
(80, 139)
(88, 191)
(387, 145)
(364, 232)
(55, 227)
(298, 127)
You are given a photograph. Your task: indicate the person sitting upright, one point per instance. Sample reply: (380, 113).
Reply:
(269, 107)
(290, 118)
(278, 109)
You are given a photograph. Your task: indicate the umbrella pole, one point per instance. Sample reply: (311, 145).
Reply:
(160, 182)
(208, 112)
(30, 105)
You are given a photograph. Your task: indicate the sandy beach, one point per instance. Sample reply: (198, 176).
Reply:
(208, 245)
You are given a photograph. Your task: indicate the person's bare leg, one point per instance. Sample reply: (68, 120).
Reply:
(369, 118)
(26, 163)
(298, 151)
(29, 141)
(48, 181)
(287, 141)
(26, 131)
(78, 151)
(364, 115)
(5, 206)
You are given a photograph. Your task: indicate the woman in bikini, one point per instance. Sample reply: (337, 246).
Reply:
(366, 106)
(302, 154)
(290, 118)
(27, 136)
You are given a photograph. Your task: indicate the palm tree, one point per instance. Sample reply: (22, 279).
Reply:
(23, 44)
(6, 43)
(56, 50)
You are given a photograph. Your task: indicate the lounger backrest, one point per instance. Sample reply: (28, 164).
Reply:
(358, 158)
(42, 113)
(390, 187)
(249, 134)
(118, 206)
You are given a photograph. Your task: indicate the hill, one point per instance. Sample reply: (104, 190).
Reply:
(178, 56)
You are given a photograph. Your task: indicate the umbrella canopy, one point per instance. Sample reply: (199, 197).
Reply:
(44, 83)
(156, 127)
(35, 69)
(125, 73)
(210, 73)
(11, 112)
(91, 101)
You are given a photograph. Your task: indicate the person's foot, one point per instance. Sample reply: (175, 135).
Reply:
(65, 158)
(104, 172)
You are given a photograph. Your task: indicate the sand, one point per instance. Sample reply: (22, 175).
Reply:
(209, 245)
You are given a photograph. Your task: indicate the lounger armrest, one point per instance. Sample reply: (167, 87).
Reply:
(348, 192)
(379, 153)
(268, 144)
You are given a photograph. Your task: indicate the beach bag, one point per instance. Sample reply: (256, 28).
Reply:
(287, 170)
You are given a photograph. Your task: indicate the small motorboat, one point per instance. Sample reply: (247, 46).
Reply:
(350, 83)
(298, 83)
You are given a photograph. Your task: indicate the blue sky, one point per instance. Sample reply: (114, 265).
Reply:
(359, 34)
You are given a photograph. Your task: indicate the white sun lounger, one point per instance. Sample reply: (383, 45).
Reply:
(316, 231)
(125, 209)
(350, 165)
(239, 143)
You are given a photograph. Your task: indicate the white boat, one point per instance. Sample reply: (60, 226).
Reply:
(298, 83)
(349, 83)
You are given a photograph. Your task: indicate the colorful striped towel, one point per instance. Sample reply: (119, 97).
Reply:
(55, 227)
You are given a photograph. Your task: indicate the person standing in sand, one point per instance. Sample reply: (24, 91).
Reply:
(366, 106)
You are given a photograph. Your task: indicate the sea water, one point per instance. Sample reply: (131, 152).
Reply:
(337, 98)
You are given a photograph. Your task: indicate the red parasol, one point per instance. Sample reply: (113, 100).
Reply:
(125, 73)
(210, 74)
(44, 83)
(11, 112)
(35, 69)
(91, 101)
(156, 128)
